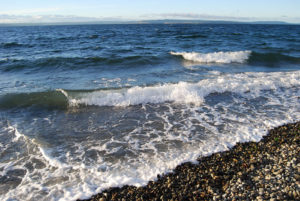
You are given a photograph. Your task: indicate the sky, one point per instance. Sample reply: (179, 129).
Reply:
(24, 11)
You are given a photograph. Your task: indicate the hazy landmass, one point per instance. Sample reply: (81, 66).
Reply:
(162, 21)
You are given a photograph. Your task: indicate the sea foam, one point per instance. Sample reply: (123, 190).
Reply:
(184, 92)
(215, 57)
(116, 149)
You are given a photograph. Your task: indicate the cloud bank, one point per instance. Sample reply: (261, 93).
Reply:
(45, 19)
(12, 19)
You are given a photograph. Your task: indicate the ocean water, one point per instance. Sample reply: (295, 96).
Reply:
(88, 107)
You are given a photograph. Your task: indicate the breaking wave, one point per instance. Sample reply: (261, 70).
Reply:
(182, 92)
(215, 57)
(268, 59)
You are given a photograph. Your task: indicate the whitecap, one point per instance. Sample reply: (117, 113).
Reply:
(215, 57)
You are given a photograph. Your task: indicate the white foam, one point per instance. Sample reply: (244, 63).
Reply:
(51, 160)
(63, 92)
(215, 57)
(184, 92)
(16, 133)
(68, 176)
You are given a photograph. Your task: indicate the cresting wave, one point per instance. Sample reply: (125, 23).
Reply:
(215, 57)
(48, 99)
(194, 93)
(112, 62)
(268, 59)
(182, 92)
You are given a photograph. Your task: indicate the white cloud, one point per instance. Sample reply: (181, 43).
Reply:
(45, 19)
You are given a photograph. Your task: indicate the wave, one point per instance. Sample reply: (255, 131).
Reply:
(272, 59)
(49, 99)
(8, 65)
(215, 57)
(13, 44)
(111, 62)
(250, 57)
(193, 36)
(182, 92)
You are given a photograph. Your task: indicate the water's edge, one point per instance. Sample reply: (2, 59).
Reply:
(240, 155)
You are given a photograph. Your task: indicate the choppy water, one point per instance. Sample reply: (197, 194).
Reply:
(84, 108)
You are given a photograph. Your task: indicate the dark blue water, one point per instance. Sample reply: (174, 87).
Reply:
(78, 57)
(87, 107)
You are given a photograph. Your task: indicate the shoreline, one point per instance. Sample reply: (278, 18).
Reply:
(268, 169)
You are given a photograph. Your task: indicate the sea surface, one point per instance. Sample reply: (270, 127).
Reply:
(88, 107)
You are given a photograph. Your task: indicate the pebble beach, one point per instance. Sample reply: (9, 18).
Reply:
(264, 170)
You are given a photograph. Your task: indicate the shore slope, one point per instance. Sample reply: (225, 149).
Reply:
(268, 169)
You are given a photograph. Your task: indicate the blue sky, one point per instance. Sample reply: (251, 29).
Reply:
(89, 10)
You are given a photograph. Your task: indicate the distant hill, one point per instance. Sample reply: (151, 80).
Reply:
(179, 21)
(162, 21)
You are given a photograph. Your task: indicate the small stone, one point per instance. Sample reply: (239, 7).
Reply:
(225, 186)
(287, 189)
(294, 194)
(210, 190)
(256, 178)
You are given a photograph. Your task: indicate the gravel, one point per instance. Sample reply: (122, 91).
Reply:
(265, 170)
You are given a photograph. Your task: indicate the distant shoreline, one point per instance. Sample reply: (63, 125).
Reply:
(253, 170)
(163, 21)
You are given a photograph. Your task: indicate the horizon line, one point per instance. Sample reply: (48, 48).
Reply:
(150, 21)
